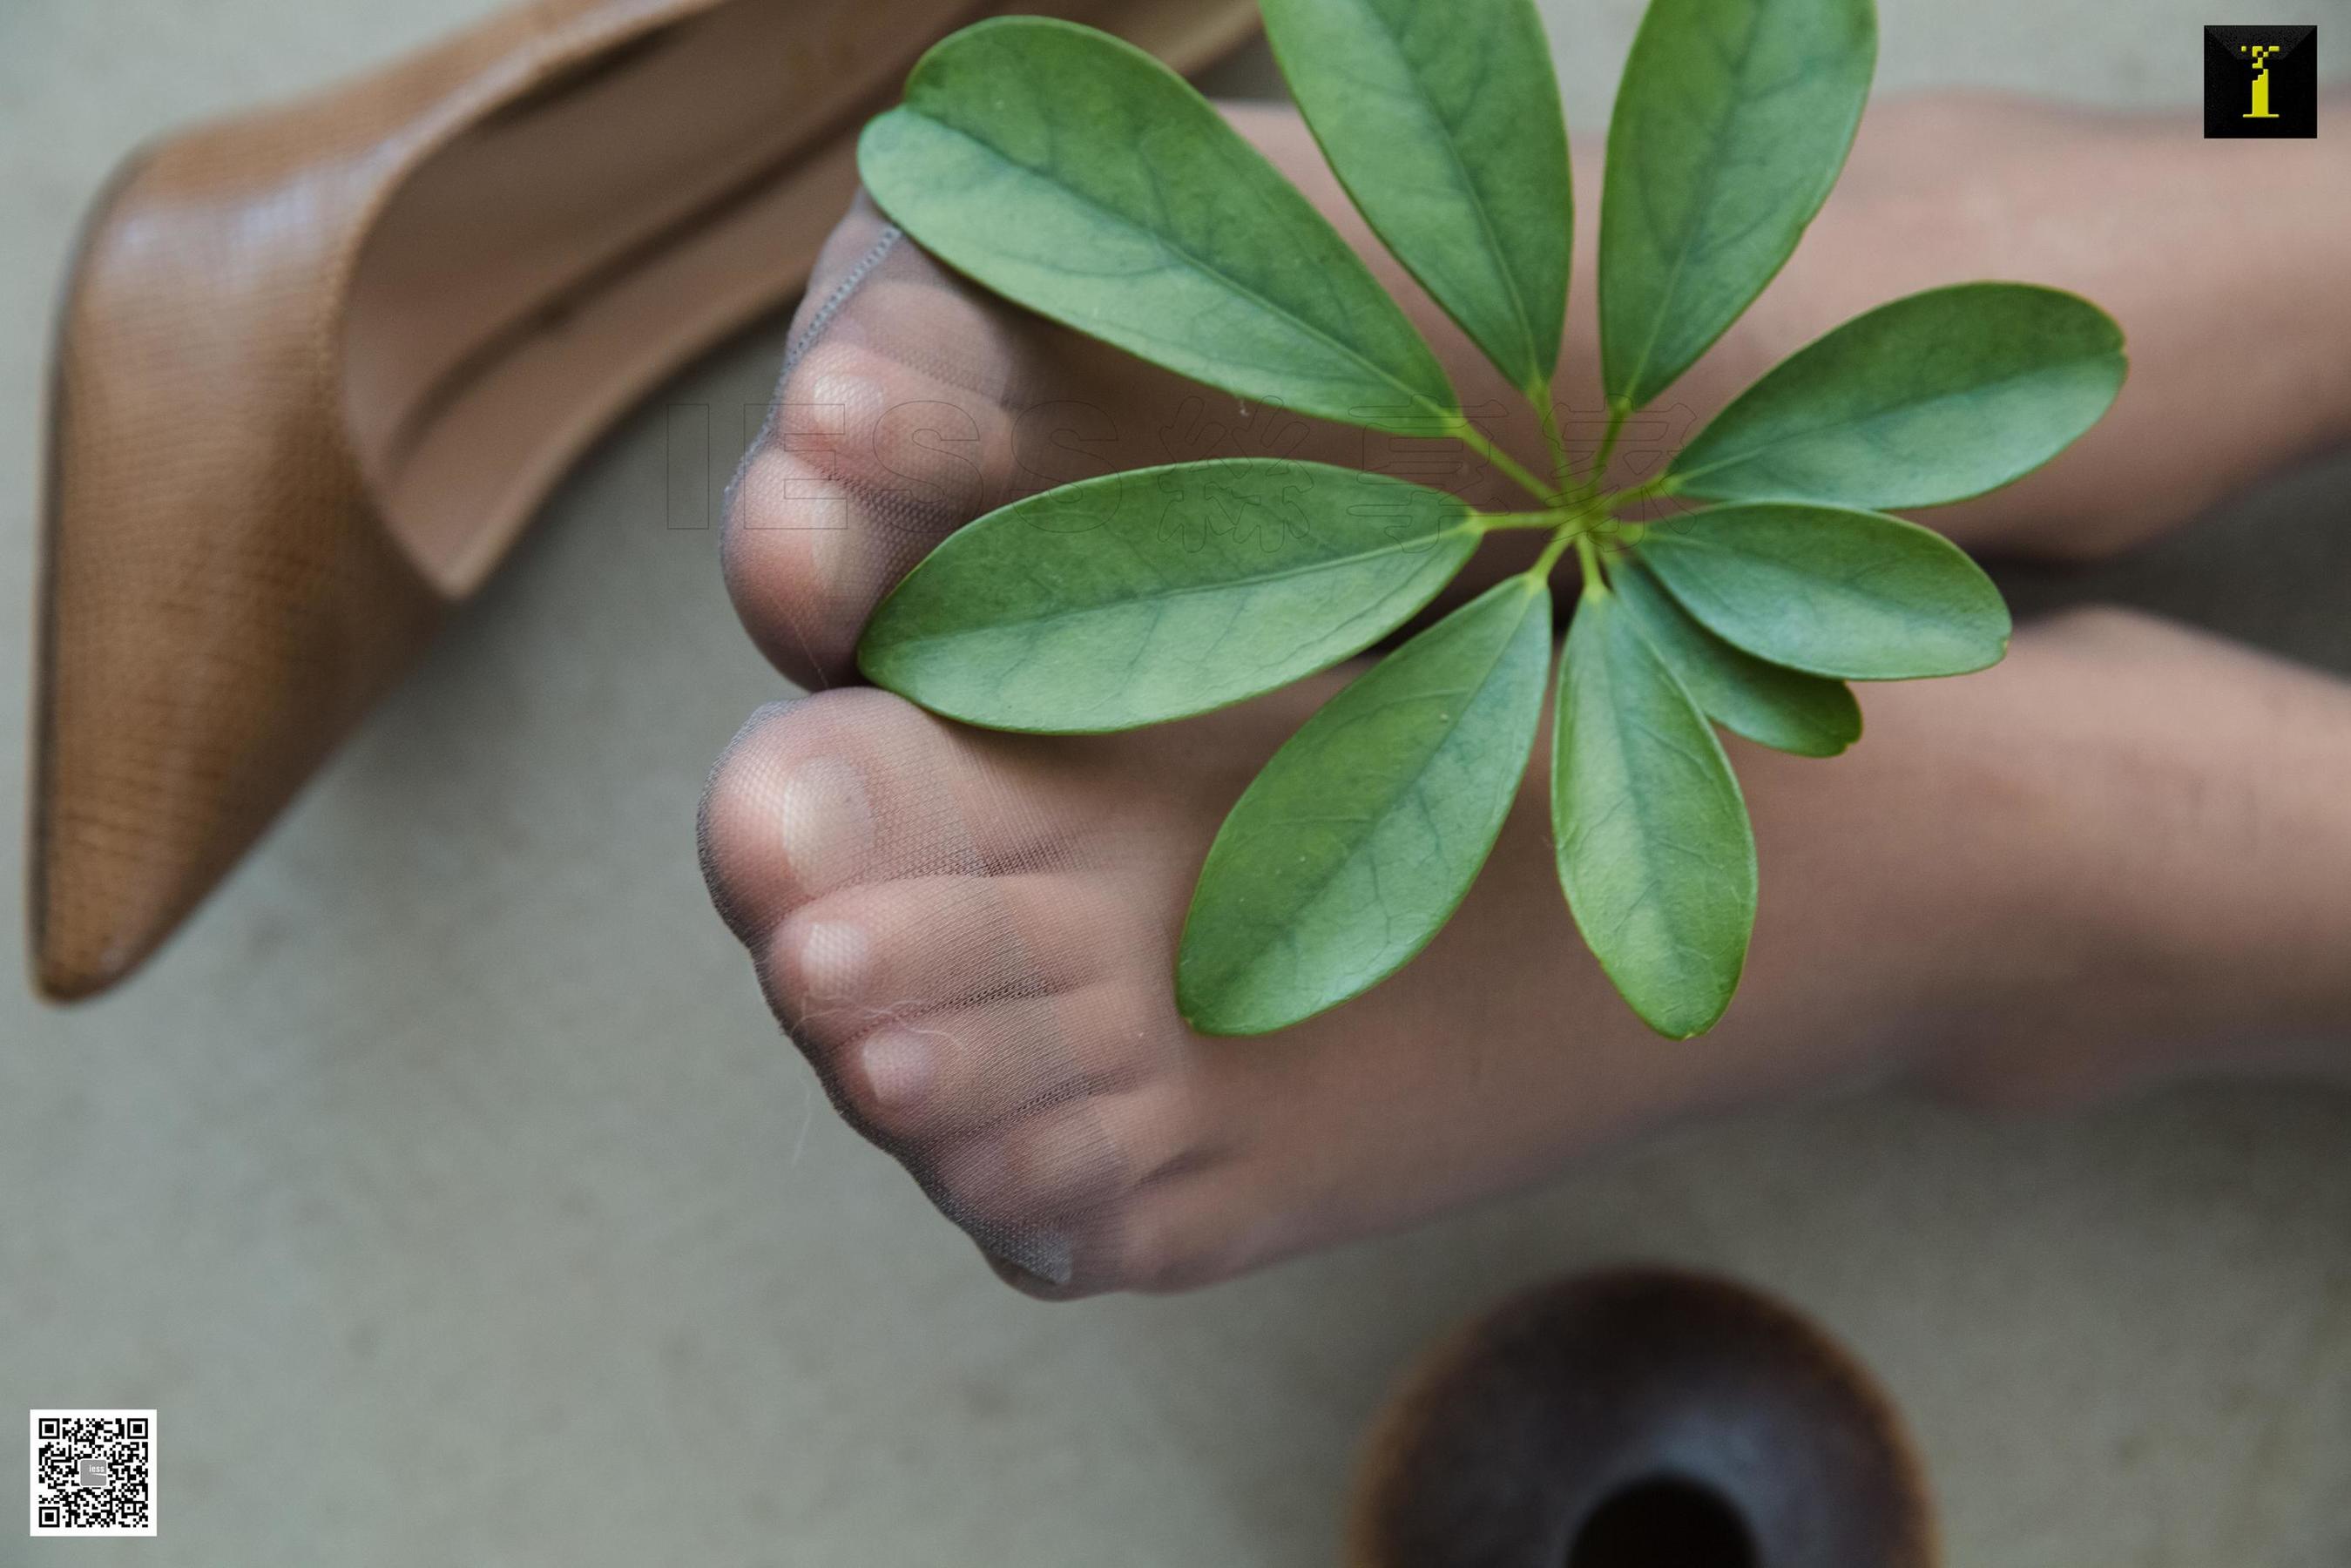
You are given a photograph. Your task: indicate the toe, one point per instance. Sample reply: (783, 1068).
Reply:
(951, 1071)
(1068, 1195)
(864, 466)
(852, 787)
(910, 401)
(867, 954)
(889, 430)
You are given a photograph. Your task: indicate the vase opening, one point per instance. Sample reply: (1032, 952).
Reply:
(1664, 1520)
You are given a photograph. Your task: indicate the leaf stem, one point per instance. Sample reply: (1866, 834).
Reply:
(1469, 436)
(1574, 526)
(1572, 515)
(1619, 411)
(1588, 557)
(1633, 494)
(1547, 410)
(1540, 570)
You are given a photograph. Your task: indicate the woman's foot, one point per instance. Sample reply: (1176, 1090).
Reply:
(973, 934)
(914, 402)
(2036, 885)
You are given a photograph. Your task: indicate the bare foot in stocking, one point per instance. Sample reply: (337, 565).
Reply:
(973, 938)
(972, 935)
(912, 401)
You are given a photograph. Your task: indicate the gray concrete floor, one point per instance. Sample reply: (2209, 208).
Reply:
(450, 1194)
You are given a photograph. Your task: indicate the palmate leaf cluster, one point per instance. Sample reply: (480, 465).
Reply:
(1075, 175)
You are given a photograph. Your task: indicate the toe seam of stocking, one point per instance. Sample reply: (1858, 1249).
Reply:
(805, 339)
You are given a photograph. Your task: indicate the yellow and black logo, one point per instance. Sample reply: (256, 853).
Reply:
(2261, 81)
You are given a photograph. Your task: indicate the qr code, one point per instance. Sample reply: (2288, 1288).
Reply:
(93, 1472)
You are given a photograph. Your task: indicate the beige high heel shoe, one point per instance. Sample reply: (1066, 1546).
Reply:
(317, 367)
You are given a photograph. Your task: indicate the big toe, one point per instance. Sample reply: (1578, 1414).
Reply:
(889, 431)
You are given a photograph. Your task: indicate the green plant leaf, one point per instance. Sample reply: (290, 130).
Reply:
(1358, 840)
(1731, 124)
(1443, 122)
(1857, 595)
(1934, 398)
(1152, 594)
(1770, 705)
(1654, 849)
(1073, 173)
